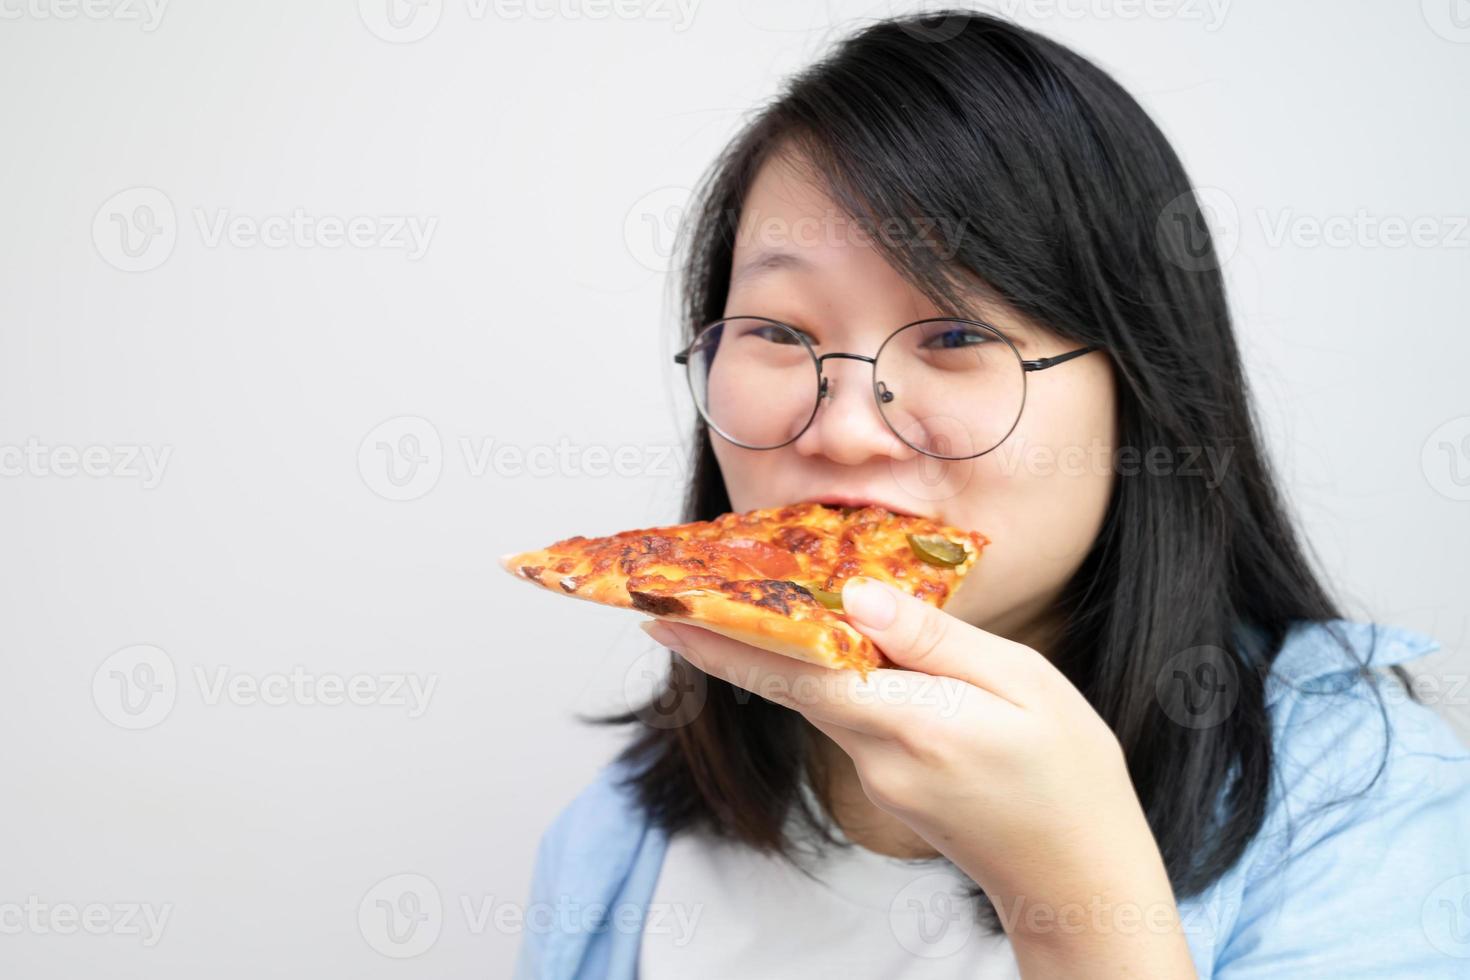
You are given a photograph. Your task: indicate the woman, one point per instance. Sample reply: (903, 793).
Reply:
(1140, 739)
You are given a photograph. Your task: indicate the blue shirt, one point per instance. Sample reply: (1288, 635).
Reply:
(1376, 885)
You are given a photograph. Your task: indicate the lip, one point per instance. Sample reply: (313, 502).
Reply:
(857, 500)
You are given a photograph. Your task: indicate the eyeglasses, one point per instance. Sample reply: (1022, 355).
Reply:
(947, 387)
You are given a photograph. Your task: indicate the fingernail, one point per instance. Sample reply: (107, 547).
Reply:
(869, 602)
(662, 634)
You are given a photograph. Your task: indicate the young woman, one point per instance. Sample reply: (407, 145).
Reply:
(956, 270)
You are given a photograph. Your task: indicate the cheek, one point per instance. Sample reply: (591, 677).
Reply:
(1042, 495)
(761, 400)
(749, 474)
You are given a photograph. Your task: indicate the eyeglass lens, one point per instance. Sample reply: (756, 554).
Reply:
(948, 388)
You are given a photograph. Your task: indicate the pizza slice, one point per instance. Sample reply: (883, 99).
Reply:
(770, 577)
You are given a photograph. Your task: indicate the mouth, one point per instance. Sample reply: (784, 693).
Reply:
(850, 500)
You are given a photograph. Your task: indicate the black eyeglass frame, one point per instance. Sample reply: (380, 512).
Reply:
(881, 396)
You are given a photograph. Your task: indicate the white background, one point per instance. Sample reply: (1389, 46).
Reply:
(550, 153)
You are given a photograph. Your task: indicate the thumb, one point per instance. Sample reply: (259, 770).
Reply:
(918, 636)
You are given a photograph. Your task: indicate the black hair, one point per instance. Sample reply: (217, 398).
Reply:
(1076, 213)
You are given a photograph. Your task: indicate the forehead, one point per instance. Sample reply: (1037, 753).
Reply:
(791, 232)
(796, 245)
(787, 185)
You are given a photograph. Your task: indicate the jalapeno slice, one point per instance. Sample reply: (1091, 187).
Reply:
(937, 550)
(832, 600)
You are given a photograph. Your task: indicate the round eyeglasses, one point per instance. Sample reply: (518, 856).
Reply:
(947, 387)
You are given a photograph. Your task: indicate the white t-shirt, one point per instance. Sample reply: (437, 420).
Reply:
(722, 911)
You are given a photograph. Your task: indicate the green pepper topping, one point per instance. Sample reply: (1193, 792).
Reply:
(937, 550)
(832, 600)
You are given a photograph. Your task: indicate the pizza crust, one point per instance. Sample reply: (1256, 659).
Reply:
(813, 633)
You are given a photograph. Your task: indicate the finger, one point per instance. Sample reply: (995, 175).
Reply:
(918, 636)
(849, 740)
(839, 697)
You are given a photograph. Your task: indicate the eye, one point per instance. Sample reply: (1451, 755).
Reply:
(956, 337)
(778, 335)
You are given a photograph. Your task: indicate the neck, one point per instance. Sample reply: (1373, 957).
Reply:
(1037, 624)
(835, 779)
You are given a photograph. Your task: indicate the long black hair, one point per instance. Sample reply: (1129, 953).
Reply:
(1076, 212)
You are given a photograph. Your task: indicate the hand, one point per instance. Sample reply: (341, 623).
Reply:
(990, 754)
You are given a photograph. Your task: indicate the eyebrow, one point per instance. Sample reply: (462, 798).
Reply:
(982, 297)
(767, 261)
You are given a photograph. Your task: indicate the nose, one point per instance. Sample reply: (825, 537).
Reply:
(848, 428)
